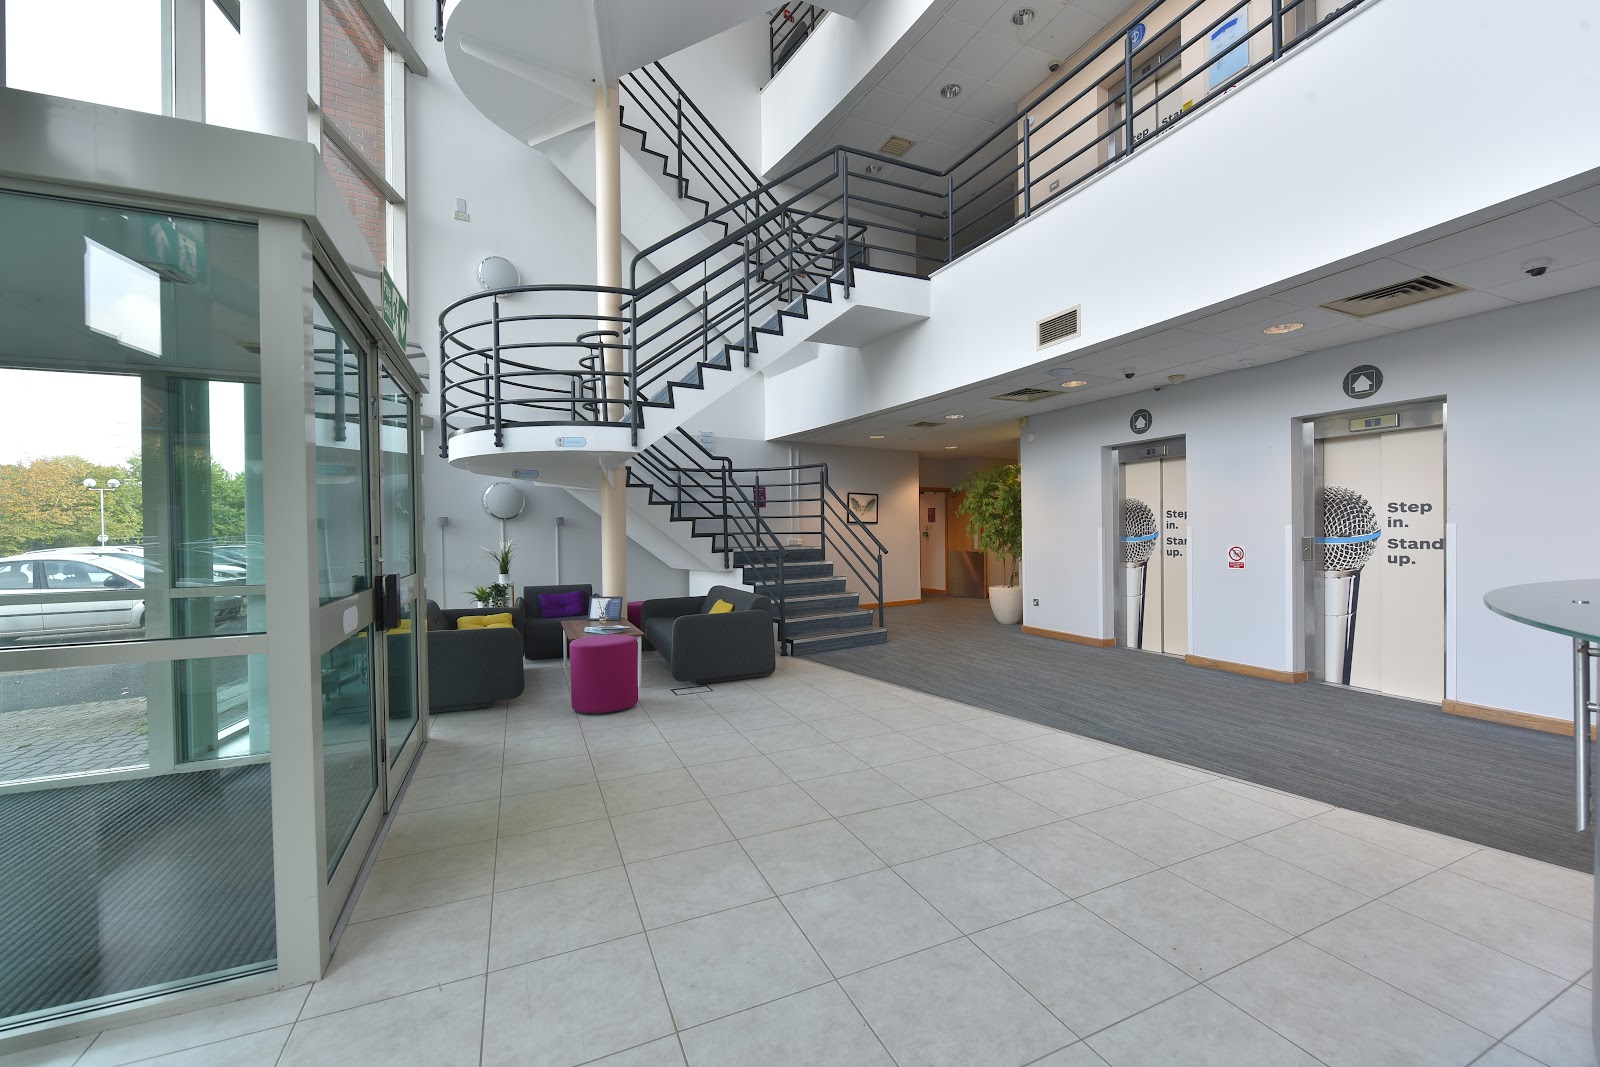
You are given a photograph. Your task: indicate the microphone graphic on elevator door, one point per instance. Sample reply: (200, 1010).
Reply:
(1138, 539)
(1349, 536)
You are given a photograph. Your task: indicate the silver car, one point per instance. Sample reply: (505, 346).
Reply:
(66, 612)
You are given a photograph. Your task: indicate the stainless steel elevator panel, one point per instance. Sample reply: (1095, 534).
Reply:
(964, 575)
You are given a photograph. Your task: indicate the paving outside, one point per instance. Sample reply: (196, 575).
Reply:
(71, 738)
(820, 868)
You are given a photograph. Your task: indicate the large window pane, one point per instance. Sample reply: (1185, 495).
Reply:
(365, 201)
(103, 51)
(394, 414)
(353, 60)
(344, 565)
(225, 80)
(349, 740)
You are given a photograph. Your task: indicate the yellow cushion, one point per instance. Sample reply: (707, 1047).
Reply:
(484, 622)
(470, 622)
(498, 626)
(402, 627)
(721, 607)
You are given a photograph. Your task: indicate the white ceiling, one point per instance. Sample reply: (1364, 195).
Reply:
(1487, 257)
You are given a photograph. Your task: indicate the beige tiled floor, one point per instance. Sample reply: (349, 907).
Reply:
(816, 868)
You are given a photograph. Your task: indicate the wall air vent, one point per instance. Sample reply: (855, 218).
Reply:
(1399, 295)
(1028, 395)
(924, 425)
(1058, 328)
(896, 146)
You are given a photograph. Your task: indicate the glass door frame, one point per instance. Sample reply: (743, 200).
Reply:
(398, 762)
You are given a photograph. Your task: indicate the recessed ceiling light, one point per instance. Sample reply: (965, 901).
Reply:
(874, 168)
(874, 436)
(955, 416)
(1247, 362)
(1022, 16)
(951, 91)
(1074, 384)
(1285, 327)
(948, 447)
(1061, 372)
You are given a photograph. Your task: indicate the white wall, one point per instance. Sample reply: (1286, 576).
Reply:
(1307, 147)
(1517, 384)
(723, 76)
(893, 476)
(523, 209)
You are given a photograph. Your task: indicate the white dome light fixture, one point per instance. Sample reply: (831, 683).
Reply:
(497, 272)
(504, 501)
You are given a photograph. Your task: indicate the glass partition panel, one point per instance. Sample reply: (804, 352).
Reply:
(344, 566)
(349, 740)
(394, 414)
(402, 648)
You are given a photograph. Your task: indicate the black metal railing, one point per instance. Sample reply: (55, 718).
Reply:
(790, 27)
(699, 298)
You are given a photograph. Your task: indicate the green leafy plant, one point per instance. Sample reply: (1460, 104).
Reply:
(487, 595)
(501, 554)
(993, 510)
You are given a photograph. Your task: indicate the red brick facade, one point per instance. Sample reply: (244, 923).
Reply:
(353, 57)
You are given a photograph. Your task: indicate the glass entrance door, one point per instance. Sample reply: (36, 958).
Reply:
(398, 539)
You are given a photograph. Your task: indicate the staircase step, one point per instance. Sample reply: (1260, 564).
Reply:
(808, 646)
(790, 555)
(798, 607)
(804, 587)
(793, 570)
(828, 623)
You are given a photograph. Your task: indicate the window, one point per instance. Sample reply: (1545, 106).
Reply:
(224, 74)
(103, 51)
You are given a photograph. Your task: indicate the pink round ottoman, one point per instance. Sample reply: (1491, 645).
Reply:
(605, 673)
(636, 613)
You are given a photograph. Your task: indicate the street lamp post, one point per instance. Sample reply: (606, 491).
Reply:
(94, 487)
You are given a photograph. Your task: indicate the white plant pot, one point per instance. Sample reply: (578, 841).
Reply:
(505, 580)
(1006, 603)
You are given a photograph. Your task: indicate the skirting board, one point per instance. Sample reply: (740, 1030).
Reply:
(894, 603)
(1248, 670)
(1076, 639)
(1526, 721)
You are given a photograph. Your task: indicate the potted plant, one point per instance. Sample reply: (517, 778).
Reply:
(490, 596)
(501, 554)
(993, 510)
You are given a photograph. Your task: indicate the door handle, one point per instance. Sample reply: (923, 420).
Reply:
(1583, 706)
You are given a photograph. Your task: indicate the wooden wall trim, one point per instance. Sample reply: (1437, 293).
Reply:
(892, 603)
(1247, 669)
(1522, 719)
(1076, 639)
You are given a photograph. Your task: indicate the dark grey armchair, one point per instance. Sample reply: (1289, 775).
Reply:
(469, 669)
(701, 647)
(541, 637)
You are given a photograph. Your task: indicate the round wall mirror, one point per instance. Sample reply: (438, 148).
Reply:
(504, 500)
(497, 272)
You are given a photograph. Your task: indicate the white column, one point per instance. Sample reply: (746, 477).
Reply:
(273, 37)
(614, 532)
(608, 262)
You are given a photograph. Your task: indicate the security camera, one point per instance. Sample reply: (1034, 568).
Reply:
(1535, 268)
(1128, 373)
(1055, 65)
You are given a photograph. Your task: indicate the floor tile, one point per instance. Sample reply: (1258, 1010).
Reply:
(1561, 1033)
(1072, 859)
(849, 726)
(782, 738)
(804, 856)
(527, 812)
(434, 1027)
(1272, 798)
(816, 761)
(1157, 835)
(386, 957)
(931, 776)
(819, 1025)
(524, 728)
(662, 789)
(55, 1054)
(441, 791)
(746, 720)
(951, 1006)
(1199, 1028)
(1136, 777)
(663, 1052)
(846, 794)
(1433, 849)
(1481, 987)
(909, 718)
(1287, 896)
(431, 828)
(205, 1026)
(1341, 1015)
(692, 727)
(1066, 792)
(1225, 813)
(873, 699)
(722, 963)
(1183, 924)
(261, 1049)
(686, 885)
(547, 774)
(1001, 762)
(977, 887)
(762, 811)
(1079, 1055)
(408, 883)
(569, 913)
(535, 749)
(872, 918)
(1552, 886)
(1553, 940)
(1086, 971)
(950, 737)
(631, 762)
(661, 831)
(714, 748)
(439, 760)
(1005, 728)
(559, 852)
(1066, 750)
(1503, 1055)
(737, 775)
(731, 696)
(879, 749)
(572, 1008)
(907, 832)
(992, 810)
(1357, 864)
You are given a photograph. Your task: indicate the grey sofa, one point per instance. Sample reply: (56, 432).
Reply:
(469, 669)
(700, 647)
(541, 637)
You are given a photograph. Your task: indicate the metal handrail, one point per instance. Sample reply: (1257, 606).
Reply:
(788, 28)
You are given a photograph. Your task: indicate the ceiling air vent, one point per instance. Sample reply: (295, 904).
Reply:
(1398, 295)
(896, 146)
(924, 425)
(1058, 328)
(1028, 395)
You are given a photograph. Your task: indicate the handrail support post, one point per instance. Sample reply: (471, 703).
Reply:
(499, 426)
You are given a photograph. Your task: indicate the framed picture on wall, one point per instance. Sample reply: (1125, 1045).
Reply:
(863, 507)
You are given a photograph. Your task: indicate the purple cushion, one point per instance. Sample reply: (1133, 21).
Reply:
(562, 605)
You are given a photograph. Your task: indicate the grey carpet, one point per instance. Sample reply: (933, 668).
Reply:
(120, 886)
(1495, 785)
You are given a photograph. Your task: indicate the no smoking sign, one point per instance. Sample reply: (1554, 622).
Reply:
(1236, 558)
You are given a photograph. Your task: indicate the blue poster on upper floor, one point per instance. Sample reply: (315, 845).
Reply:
(1227, 38)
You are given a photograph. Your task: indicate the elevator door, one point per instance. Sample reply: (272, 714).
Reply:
(1379, 536)
(1153, 565)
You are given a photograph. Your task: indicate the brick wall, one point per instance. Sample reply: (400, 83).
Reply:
(353, 58)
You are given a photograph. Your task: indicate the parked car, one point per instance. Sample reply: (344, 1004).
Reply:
(71, 572)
